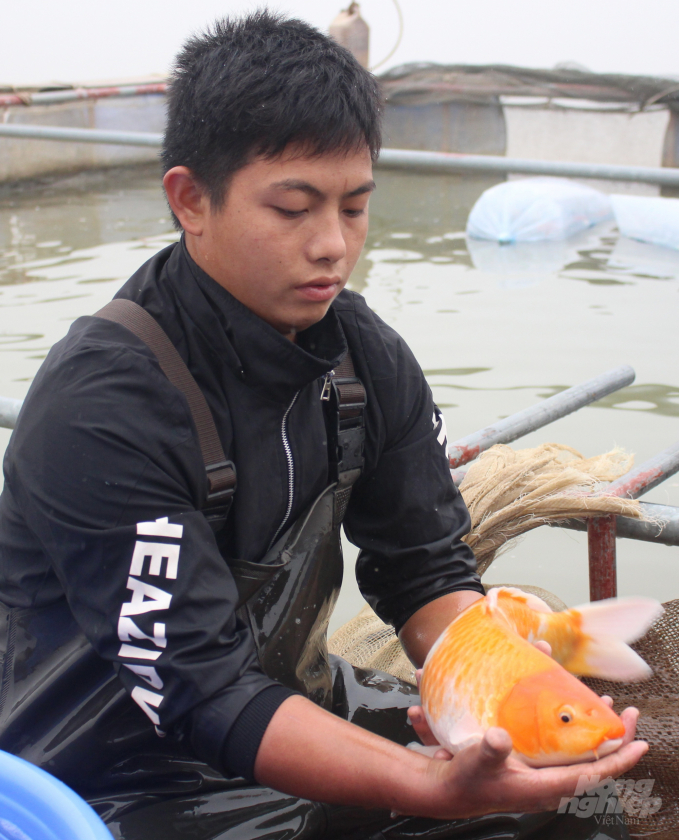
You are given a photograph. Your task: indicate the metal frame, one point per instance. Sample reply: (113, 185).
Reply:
(54, 97)
(662, 521)
(409, 160)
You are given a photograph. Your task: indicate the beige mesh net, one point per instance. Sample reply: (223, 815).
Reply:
(509, 492)
(658, 702)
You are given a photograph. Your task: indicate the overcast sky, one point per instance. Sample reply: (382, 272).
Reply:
(81, 40)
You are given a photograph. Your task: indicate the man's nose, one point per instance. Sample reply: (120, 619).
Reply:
(328, 242)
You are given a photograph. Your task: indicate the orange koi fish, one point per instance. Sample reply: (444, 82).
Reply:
(484, 671)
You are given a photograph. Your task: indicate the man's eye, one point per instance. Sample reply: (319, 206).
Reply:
(289, 214)
(353, 214)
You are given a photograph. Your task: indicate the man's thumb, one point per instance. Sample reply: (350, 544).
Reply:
(495, 747)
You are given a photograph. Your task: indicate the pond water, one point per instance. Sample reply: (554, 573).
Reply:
(495, 328)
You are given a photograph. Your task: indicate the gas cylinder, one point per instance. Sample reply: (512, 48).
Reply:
(351, 31)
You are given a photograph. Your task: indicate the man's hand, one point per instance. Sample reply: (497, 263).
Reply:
(309, 752)
(485, 778)
(487, 772)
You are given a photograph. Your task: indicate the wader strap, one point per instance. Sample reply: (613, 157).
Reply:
(346, 398)
(221, 474)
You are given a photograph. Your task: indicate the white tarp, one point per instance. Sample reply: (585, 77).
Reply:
(536, 209)
(648, 218)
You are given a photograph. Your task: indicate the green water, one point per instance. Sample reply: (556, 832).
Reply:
(496, 329)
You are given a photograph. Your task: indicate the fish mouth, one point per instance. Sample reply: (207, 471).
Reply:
(608, 747)
(562, 759)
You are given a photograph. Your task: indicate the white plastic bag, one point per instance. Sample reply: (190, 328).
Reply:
(648, 218)
(536, 209)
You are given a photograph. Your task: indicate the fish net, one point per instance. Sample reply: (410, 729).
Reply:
(509, 492)
(652, 803)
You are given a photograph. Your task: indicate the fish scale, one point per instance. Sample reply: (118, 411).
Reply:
(452, 671)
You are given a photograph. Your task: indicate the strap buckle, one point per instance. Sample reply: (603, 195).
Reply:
(346, 438)
(221, 478)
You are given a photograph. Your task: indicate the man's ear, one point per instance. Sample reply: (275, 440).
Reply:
(187, 198)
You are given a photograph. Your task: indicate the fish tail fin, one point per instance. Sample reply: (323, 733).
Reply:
(606, 627)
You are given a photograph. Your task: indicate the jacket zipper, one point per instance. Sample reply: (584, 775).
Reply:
(327, 382)
(291, 468)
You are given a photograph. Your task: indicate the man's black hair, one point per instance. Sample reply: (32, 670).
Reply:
(249, 87)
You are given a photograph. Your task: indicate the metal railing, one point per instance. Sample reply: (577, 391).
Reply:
(80, 135)
(405, 159)
(55, 97)
(660, 523)
(517, 425)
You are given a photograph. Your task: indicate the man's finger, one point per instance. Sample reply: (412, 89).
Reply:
(620, 761)
(544, 647)
(629, 717)
(495, 746)
(421, 727)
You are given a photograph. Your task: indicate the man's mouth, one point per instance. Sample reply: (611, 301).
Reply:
(320, 289)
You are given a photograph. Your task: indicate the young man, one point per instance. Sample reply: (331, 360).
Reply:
(113, 550)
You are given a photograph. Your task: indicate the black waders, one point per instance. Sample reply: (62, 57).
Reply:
(63, 708)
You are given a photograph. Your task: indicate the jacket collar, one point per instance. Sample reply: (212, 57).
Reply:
(261, 356)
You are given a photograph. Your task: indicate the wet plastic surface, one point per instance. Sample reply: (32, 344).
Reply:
(63, 709)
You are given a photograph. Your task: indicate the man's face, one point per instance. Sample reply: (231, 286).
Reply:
(288, 235)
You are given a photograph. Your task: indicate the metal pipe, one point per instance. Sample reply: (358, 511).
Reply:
(659, 525)
(646, 476)
(601, 532)
(9, 411)
(53, 97)
(504, 431)
(410, 160)
(445, 162)
(80, 135)
(603, 573)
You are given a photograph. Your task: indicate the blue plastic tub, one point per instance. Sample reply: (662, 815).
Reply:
(36, 806)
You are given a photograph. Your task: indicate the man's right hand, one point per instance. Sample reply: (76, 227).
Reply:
(485, 778)
(313, 754)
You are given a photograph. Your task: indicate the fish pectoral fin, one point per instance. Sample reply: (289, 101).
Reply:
(609, 659)
(464, 732)
(430, 752)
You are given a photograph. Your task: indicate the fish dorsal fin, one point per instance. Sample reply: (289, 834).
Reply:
(493, 609)
(491, 605)
(531, 601)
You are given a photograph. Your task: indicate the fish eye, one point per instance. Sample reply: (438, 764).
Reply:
(566, 714)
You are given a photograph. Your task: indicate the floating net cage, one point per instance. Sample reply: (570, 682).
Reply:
(509, 492)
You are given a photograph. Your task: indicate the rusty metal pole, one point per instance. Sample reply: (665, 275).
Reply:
(465, 449)
(603, 573)
(601, 532)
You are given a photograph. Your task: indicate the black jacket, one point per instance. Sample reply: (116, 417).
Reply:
(105, 447)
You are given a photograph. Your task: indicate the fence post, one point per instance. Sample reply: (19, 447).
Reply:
(603, 579)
